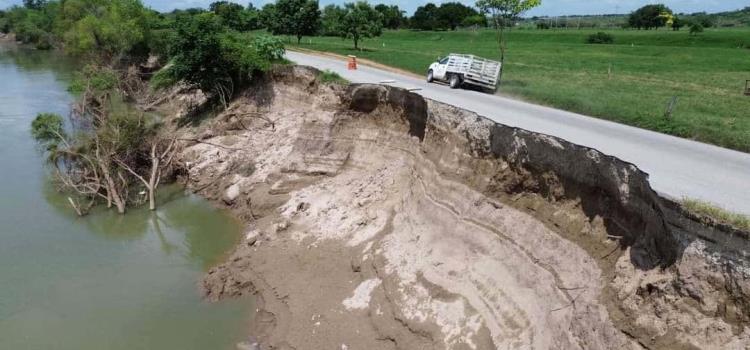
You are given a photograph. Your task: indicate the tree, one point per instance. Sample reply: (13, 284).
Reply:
(475, 21)
(110, 31)
(703, 19)
(425, 17)
(503, 12)
(678, 23)
(452, 14)
(295, 17)
(696, 28)
(34, 4)
(331, 20)
(361, 21)
(215, 61)
(108, 152)
(267, 16)
(393, 16)
(650, 17)
(232, 15)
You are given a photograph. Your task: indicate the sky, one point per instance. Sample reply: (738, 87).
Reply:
(548, 7)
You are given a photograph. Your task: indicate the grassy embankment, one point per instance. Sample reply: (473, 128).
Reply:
(706, 72)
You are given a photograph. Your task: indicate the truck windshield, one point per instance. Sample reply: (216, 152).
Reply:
(444, 60)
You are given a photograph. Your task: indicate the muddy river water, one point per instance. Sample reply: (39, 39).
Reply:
(104, 281)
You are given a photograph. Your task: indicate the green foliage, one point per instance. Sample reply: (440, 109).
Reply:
(678, 23)
(425, 17)
(48, 129)
(163, 79)
(31, 25)
(452, 14)
(703, 19)
(506, 9)
(34, 4)
(393, 16)
(449, 15)
(696, 28)
(270, 48)
(96, 79)
(159, 42)
(716, 213)
(475, 21)
(235, 16)
(331, 19)
(102, 28)
(600, 38)
(110, 31)
(294, 17)
(124, 132)
(649, 17)
(214, 60)
(360, 21)
(267, 16)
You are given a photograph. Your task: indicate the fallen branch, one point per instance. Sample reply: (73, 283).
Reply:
(210, 144)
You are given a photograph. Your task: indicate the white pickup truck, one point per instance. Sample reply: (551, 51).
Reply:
(465, 69)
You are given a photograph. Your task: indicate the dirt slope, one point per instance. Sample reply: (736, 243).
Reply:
(381, 220)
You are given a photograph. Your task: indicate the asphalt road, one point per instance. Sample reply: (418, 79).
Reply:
(677, 167)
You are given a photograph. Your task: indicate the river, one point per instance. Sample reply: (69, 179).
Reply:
(105, 281)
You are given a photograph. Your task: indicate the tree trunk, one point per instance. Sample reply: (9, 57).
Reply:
(153, 181)
(299, 39)
(112, 191)
(501, 44)
(356, 43)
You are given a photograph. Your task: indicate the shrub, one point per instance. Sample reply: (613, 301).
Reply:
(270, 48)
(47, 128)
(218, 62)
(696, 28)
(600, 38)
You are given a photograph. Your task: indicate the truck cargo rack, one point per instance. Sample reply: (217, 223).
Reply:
(476, 70)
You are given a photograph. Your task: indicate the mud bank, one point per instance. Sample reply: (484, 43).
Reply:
(381, 220)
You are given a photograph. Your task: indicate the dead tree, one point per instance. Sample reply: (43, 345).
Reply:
(161, 161)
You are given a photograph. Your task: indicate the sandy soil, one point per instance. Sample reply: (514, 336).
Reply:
(379, 220)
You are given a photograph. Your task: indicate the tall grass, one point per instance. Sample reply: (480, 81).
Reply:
(717, 213)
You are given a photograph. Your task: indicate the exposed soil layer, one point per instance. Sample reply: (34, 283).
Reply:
(381, 220)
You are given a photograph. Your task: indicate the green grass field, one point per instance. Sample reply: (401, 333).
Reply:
(706, 72)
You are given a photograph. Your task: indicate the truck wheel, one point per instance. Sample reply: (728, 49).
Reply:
(430, 76)
(455, 81)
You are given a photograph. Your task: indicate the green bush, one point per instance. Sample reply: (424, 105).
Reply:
(47, 128)
(696, 28)
(216, 61)
(163, 79)
(600, 38)
(270, 48)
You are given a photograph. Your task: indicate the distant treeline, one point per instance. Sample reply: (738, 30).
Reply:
(635, 20)
(80, 25)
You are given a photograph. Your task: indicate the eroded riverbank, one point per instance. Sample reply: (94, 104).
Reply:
(380, 220)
